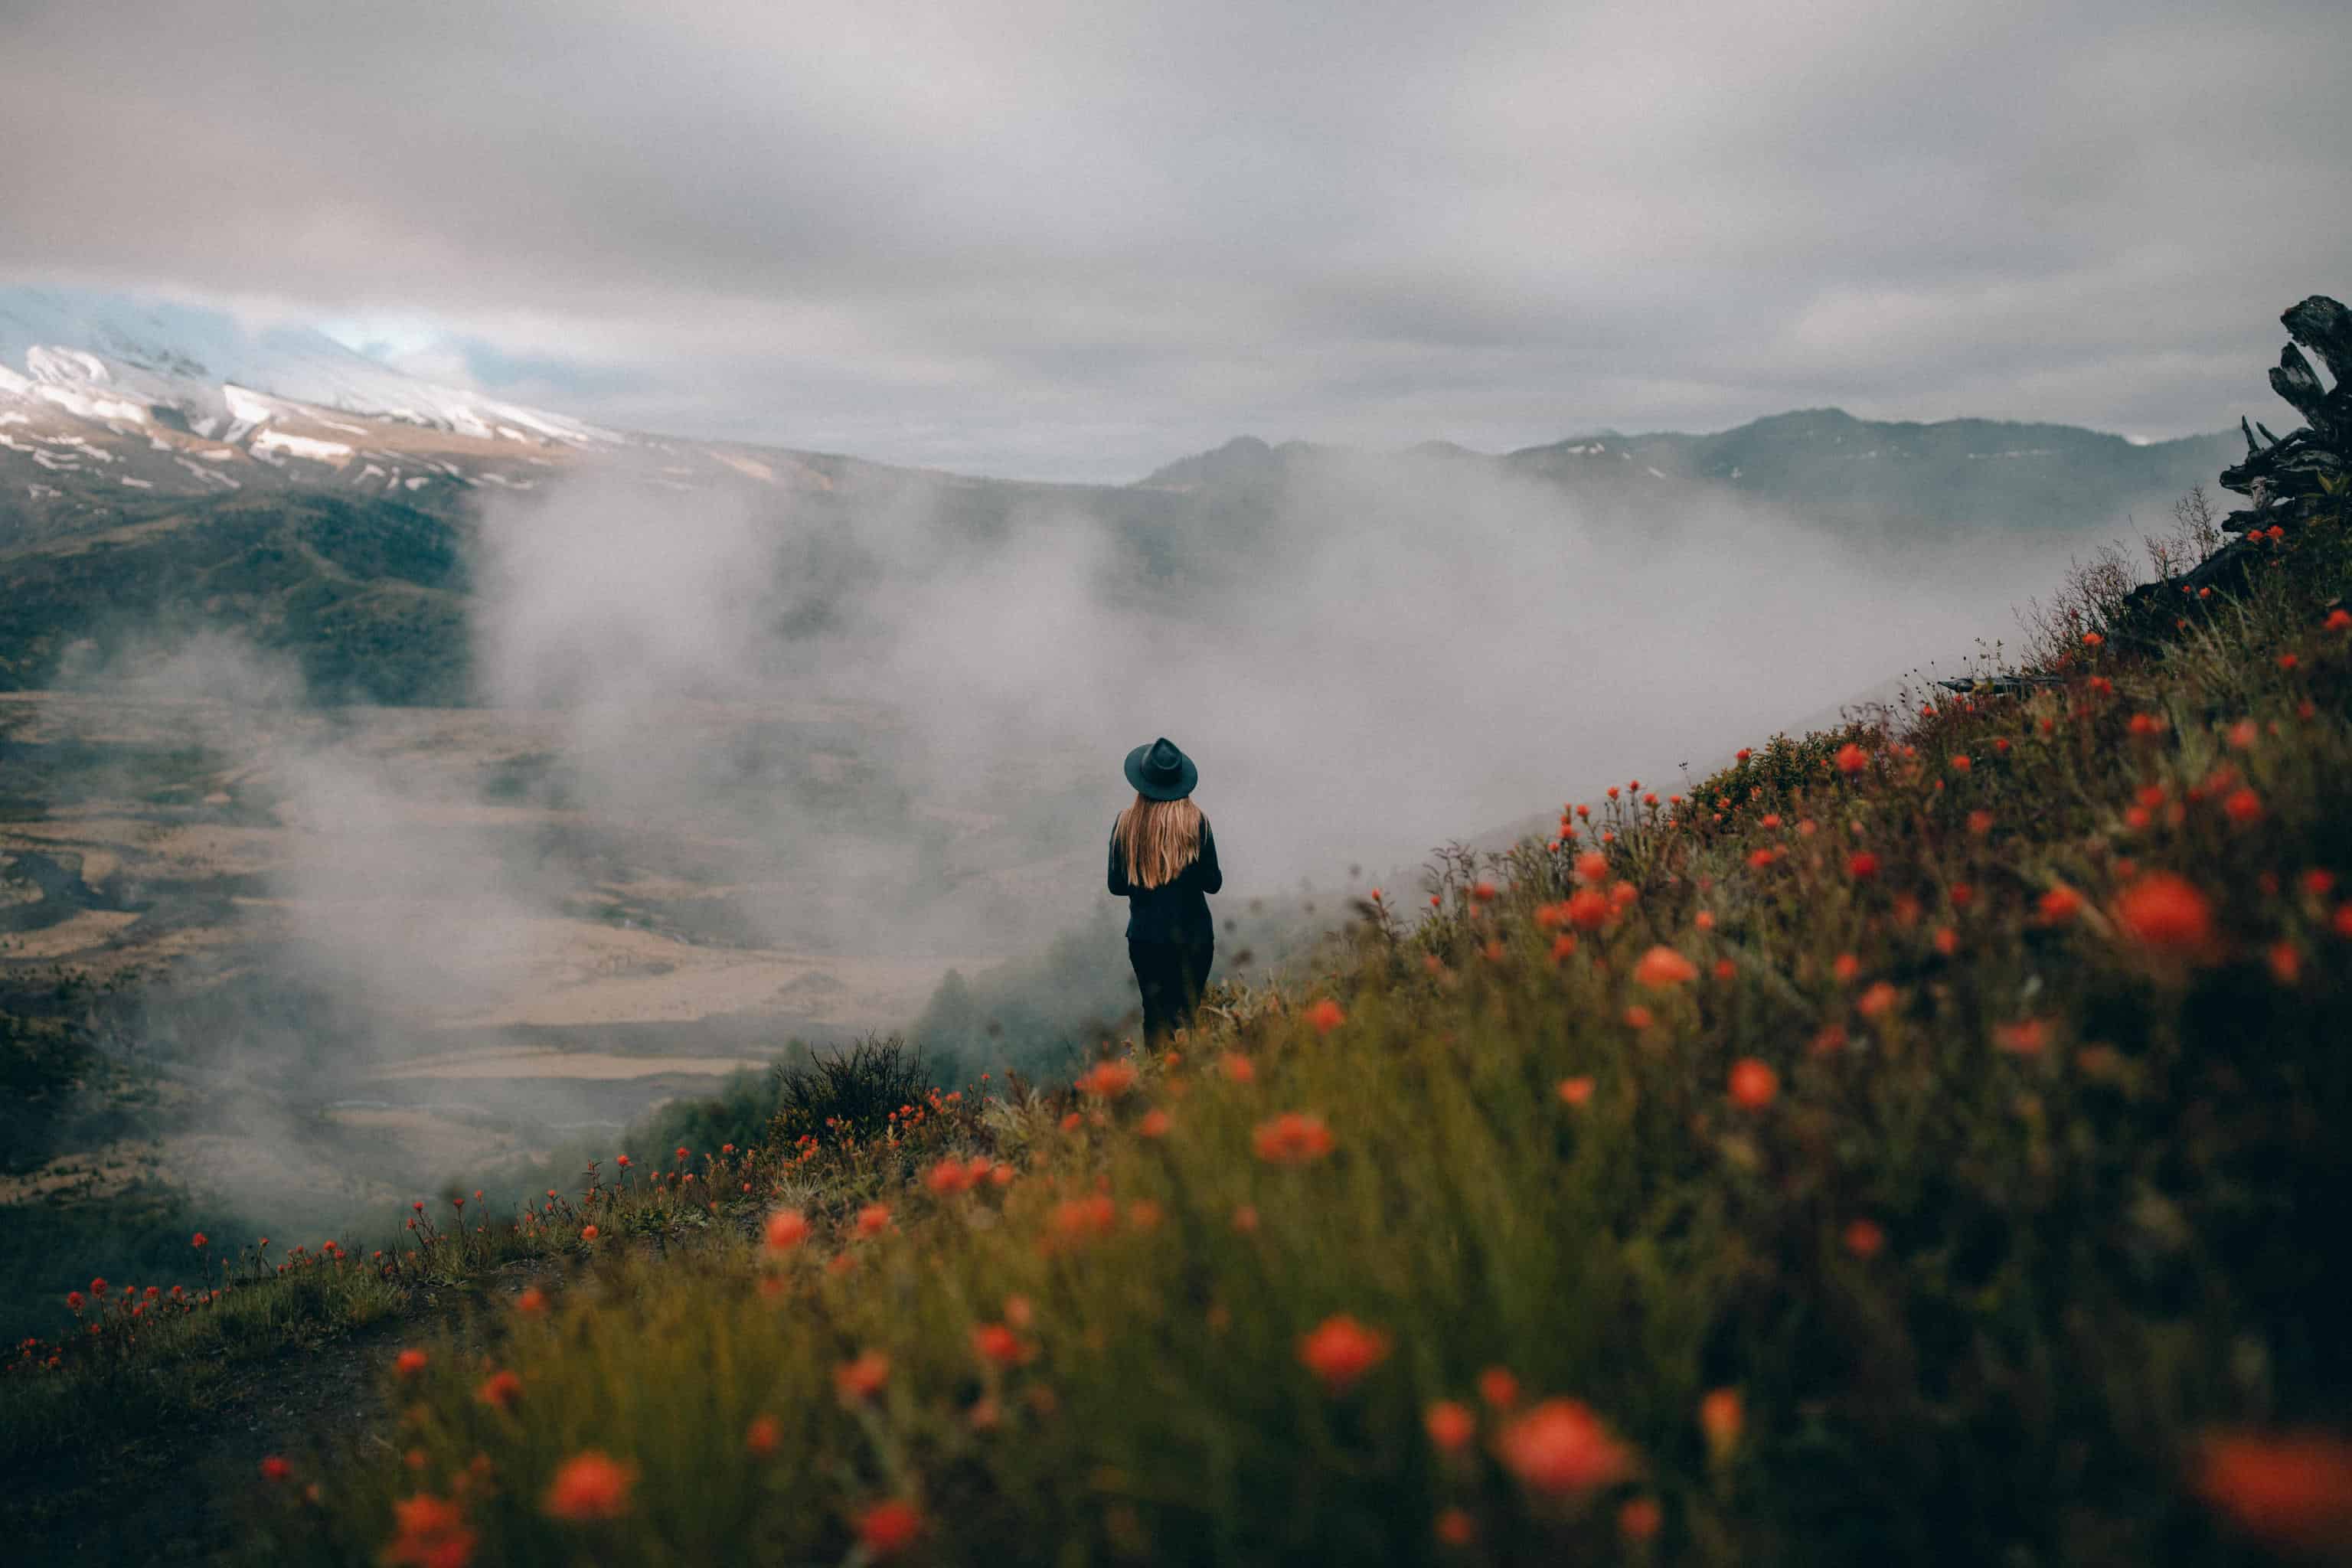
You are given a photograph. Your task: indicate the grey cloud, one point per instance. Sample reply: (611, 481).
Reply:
(1071, 241)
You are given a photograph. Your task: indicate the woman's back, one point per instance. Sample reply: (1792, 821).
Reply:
(1176, 909)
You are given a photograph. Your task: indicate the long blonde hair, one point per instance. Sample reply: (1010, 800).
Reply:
(1158, 838)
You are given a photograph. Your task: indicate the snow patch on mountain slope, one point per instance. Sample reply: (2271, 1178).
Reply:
(113, 360)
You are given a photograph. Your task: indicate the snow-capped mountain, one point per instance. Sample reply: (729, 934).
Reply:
(109, 359)
(105, 399)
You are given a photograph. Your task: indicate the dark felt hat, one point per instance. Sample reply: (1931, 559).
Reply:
(1160, 771)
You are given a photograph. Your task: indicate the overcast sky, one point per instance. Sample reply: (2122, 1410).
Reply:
(1076, 240)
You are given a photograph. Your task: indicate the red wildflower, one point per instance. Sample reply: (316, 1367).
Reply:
(1852, 759)
(1340, 1350)
(275, 1468)
(762, 1437)
(1293, 1138)
(1640, 1519)
(996, 1342)
(1588, 909)
(588, 1486)
(873, 1219)
(502, 1390)
(1593, 867)
(2291, 1490)
(1455, 1527)
(1108, 1079)
(1576, 1091)
(2244, 806)
(1560, 1445)
(2338, 621)
(531, 1302)
(950, 1176)
(1238, 1067)
(2166, 912)
(1753, 1084)
(1846, 967)
(409, 1363)
(1662, 969)
(1154, 1123)
(1960, 764)
(786, 1230)
(861, 1378)
(2060, 905)
(2025, 1038)
(889, 1527)
(428, 1533)
(200, 1241)
(1639, 1017)
(1450, 1425)
(1880, 997)
(1499, 1387)
(1563, 946)
(1864, 1238)
(1482, 892)
(587, 1233)
(1325, 1016)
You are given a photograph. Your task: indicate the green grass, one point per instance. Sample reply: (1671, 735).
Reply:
(2045, 1196)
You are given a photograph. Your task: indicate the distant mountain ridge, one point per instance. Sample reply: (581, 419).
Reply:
(1823, 462)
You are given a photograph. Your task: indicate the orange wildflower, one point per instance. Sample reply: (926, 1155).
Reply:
(1721, 1416)
(1293, 1138)
(1108, 1079)
(861, 1378)
(873, 1219)
(1325, 1016)
(428, 1533)
(1862, 864)
(786, 1230)
(1640, 1518)
(889, 1527)
(1753, 1084)
(762, 1437)
(502, 1390)
(1340, 1350)
(1639, 1017)
(1499, 1387)
(950, 1176)
(1592, 867)
(1846, 967)
(1876, 1000)
(1154, 1123)
(1576, 1091)
(1864, 1238)
(2060, 905)
(1852, 759)
(2286, 962)
(2025, 1038)
(531, 1302)
(1455, 1527)
(1588, 909)
(1562, 1447)
(409, 1363)
(1450, 1425)
(2291, 1490)
(2244, 806)
(1238, 1067)
(1662, 969)
(998, 1343)
(590, 1486)
(588, 1233)
(1563, 946)
(273, 1468)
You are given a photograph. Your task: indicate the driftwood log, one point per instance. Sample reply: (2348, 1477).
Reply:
(2282, 475)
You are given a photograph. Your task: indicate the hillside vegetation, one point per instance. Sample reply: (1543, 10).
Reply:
(1921, 1144)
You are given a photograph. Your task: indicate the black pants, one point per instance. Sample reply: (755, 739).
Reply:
(1172, 976)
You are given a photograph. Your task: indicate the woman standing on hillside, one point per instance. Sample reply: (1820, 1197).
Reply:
(1164, 861)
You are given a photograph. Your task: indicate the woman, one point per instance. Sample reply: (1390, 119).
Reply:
(1164, 861)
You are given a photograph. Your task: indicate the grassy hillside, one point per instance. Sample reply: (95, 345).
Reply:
(368, 595)
(1918, 1146)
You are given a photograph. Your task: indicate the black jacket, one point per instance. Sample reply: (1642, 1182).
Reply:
(1173, 911)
